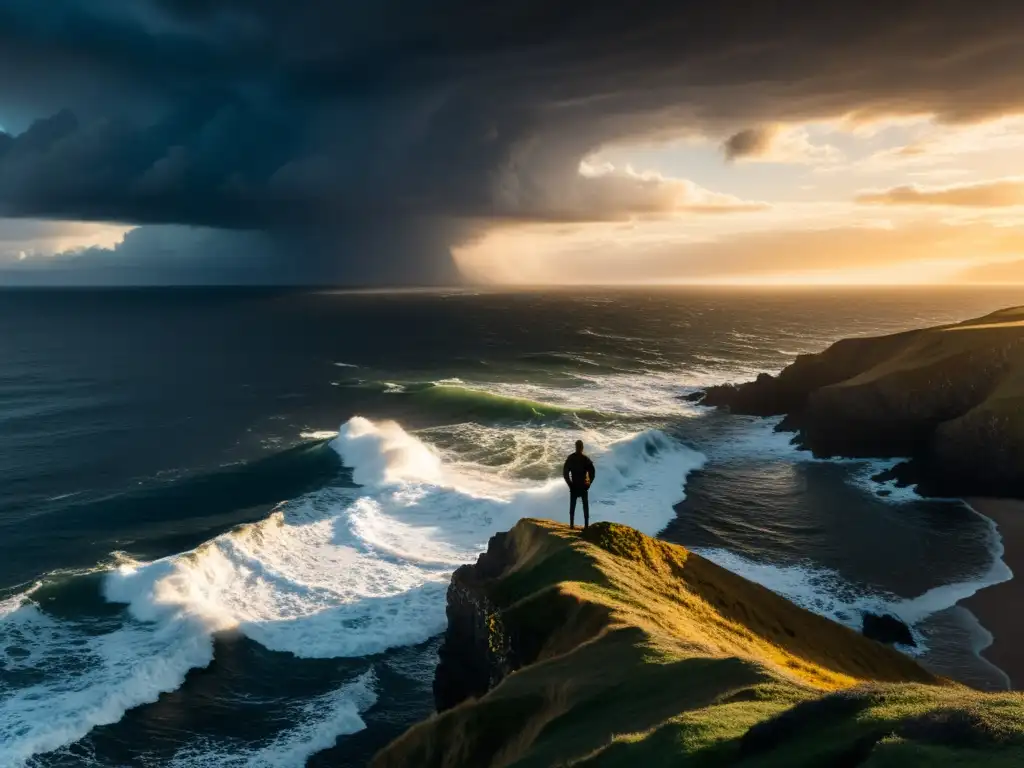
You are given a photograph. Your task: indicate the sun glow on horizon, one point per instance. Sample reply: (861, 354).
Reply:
(906, 200)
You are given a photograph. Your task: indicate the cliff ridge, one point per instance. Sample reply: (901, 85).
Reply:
(612, 648)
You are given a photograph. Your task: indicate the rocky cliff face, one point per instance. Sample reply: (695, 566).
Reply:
(948, 398)
(476, 653)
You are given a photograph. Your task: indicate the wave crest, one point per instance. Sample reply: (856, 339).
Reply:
(454, 399)
(340, 572)
(351, 572)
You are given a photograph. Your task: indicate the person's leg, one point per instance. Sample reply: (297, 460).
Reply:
(572, 508)
(586, 508)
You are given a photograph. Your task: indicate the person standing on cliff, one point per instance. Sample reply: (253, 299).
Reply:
(578, 472)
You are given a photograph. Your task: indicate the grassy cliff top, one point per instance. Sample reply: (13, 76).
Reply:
(964, 382)
(928, 347)
(647, 654)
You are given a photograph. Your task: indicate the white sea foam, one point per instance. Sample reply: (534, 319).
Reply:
(15, 602)
(340, 572)
(887, 491)
(319, 723)
(62, 496)
(319, 434)
(945, 595)
(350, 572)
(826, 592)
(652, 394)
(82, 679)
(756, 438)
(753, 438)
(346, 365)
(817, 589)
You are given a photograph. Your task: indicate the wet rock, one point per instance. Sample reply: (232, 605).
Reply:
(887, 629)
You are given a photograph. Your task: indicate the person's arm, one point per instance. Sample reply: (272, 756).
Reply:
(591, 469)
(565, 472)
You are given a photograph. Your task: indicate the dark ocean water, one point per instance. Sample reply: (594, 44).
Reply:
(196, 569)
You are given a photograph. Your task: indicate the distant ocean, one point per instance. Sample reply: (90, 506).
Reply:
(228, 518)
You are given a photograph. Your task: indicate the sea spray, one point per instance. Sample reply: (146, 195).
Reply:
(341, 572)
(82, 679)
(350, 572)
(826, 592)
(317, 725)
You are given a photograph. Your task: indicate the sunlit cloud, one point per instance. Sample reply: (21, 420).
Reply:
(886, 251)
(924, 145)
(356, 133)
(943, 141)
(998, 193)
(608, 192)
(779, 144)
(22, 239)
(939, 173)
(934, 212)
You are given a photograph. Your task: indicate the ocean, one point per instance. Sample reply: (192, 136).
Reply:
(228, 517)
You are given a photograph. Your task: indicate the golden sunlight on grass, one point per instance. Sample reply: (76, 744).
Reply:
(647, 654)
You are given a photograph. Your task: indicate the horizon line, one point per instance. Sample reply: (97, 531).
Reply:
(496, 288)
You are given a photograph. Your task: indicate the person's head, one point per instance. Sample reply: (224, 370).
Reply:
(579, 446)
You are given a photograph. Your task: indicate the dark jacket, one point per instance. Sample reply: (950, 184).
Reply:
(575, 471)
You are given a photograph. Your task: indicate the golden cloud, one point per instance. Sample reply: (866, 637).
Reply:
(999, 193)
(918, 252)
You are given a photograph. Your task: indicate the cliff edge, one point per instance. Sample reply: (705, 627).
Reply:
(612, 648)
(950, 399)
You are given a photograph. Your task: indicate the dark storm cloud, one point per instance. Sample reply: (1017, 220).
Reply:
(352, 118)
(750, 142)
(155, 255)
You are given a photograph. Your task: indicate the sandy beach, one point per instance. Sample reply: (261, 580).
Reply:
(1000, 608)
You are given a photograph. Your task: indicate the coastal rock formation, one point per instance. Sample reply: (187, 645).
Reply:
(887, 629)
(611, 648)
(476, 654)
(950, 399)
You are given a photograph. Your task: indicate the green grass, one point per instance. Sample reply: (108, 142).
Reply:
(942, 356)
(644, 654)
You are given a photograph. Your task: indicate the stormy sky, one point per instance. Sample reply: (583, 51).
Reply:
(398, 142)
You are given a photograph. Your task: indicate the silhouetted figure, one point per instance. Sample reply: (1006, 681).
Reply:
(579, 473)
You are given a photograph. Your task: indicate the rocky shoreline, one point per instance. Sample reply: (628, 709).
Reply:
(948, 400)
(997, 606)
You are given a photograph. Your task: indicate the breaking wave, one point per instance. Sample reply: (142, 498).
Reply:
(478, 405)
(340, 572)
